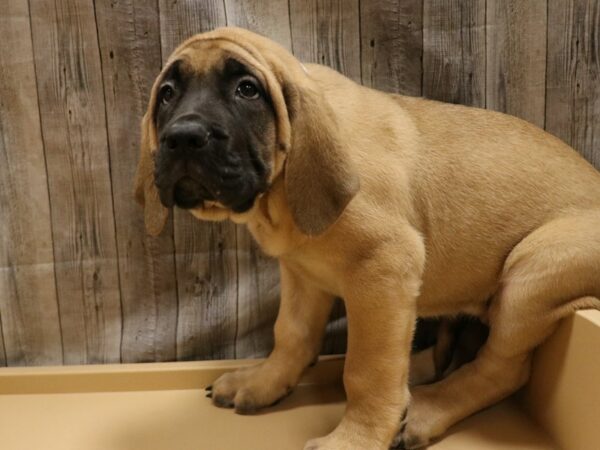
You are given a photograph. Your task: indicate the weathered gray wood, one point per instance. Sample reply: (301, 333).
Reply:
(181, 19)
(73, 122)
(258, 275)
(28, 306)
(454, 51)
(207, 286)
(206, 262)
(129, 38)
(2, 348)
(266, 18)
(573, 75)
(516, 58)
(93, 86)
(258, 298)
(392, 45)
(327, 32)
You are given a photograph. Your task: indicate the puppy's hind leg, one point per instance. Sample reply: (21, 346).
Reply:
(548, 275)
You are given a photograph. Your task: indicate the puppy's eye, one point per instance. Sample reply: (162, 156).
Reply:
(166, 94)
(247, 89)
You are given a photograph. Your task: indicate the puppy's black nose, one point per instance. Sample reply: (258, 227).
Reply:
(187, 135)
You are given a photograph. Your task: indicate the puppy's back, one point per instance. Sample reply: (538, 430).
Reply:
(498, 159)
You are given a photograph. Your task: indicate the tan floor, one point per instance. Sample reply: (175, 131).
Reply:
(185, 420)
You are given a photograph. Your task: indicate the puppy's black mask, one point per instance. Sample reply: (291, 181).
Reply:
(216, 132)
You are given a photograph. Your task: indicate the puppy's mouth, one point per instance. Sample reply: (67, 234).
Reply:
(190, 182)
(189, 193)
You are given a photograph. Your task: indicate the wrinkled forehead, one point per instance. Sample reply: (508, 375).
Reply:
(208, 57)
(205, 52)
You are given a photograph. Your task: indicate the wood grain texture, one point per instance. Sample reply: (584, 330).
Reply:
(327, 32)
(392, 45)
(128, 33)
(78, 276)
(516, 58)
(2, 347)
(206, 264)
(266, 18)
(73, 121)
(454, 51)
(28, 304)
(257, 274)
(180, 19)
(207, 285)
(257, 299)
(573, 75)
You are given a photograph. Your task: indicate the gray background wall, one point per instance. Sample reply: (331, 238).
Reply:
(79, 280)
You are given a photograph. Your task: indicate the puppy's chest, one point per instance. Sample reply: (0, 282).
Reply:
(313, 267)
(321, 269)
(271, 241)
(312, 258)
(270, 225)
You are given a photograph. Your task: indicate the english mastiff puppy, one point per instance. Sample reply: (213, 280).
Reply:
(404, 207)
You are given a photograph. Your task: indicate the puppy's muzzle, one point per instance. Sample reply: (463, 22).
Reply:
(193, 164)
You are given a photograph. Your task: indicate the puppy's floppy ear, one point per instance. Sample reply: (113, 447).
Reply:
(145, 191)
(155, 214)
(320, 179)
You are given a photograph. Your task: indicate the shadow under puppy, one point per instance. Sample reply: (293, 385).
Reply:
(403, 207)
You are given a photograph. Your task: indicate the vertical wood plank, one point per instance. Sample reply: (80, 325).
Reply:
(516, 58)
(206, 264)
(131, 57)
(258, 275)
(266, 18)
(2, 347)
(327, 32)
(28, 305)
(258, 298)
(180, 19)
(573, 75)
(72, 111)
(392, 45)
(454, 51)
(207, 286)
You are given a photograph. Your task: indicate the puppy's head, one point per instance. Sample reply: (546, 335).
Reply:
(227, 115)
(216, 135)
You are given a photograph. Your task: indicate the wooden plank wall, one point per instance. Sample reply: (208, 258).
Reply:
(79, 280)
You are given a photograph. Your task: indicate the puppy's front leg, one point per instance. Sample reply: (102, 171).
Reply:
(299, 329)
(380, 303)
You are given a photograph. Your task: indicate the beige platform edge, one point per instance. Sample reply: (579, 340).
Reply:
(563, 395)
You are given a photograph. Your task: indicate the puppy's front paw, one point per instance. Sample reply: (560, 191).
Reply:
(247, 390)
(348, 436)
(327, 443)
(313, 444)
